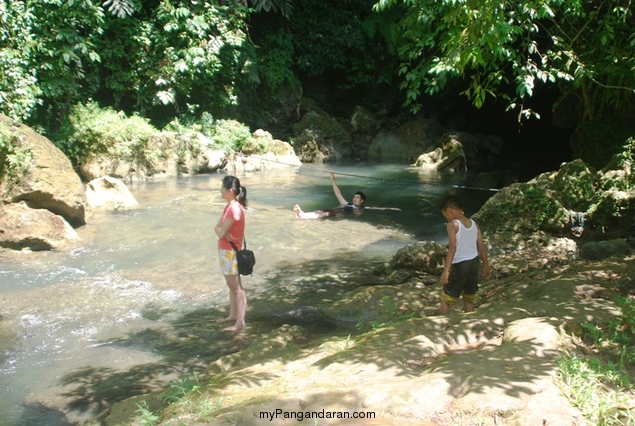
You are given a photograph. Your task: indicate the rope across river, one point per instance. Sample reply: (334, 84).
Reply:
(412, 182)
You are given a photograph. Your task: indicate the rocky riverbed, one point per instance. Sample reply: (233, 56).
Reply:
(406, 365)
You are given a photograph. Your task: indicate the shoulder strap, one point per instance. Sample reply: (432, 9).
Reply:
(234, 245)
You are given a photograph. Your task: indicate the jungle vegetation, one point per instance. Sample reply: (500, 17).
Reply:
(177, 59)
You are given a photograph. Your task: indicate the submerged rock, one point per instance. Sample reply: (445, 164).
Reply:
(22, 227)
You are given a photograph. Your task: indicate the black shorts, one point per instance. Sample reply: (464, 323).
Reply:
(463, 279)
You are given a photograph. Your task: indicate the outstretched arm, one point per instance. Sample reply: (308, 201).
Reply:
(337, 192)
(397, 209)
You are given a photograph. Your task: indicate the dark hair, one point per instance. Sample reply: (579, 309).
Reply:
(451, 202)
(362, 195)
(233, 183)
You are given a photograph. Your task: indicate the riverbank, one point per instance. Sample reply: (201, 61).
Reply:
(497, 365)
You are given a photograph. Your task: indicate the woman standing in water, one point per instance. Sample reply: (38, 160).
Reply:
(231, 227)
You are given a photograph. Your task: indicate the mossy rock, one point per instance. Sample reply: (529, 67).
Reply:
(330, 130)
(613, 216)
(523, 209)
(426, 257)
(575, 186)
(619, 175)
(597, 250)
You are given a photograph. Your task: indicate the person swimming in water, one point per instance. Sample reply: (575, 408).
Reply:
(356, 206)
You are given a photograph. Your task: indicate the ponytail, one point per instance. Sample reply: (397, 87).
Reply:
(242, 196)
(233, 183)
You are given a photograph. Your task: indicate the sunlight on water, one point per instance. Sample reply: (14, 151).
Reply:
(139, 296)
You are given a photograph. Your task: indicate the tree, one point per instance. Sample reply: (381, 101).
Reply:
(67, 33)
(19, 92)
(505, 49)
(178, 54)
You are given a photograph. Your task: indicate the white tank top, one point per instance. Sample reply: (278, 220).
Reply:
(465, 242)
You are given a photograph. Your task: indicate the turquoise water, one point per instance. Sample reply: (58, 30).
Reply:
(133, 306)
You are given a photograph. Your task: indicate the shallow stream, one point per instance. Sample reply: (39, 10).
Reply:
(133, 307)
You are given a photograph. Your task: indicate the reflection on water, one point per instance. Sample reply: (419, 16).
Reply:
(134, 306)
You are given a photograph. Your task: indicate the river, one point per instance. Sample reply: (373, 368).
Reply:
(133, 306)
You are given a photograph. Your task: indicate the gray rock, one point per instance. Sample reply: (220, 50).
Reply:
(597, 250)
(49, 181)
(36, 229)
(109, 193)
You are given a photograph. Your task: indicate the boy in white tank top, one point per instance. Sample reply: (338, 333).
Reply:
(460, 274)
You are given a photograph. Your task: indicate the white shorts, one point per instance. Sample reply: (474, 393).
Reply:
(228, 263)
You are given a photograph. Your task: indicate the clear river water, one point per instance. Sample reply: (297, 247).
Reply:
(132, 307)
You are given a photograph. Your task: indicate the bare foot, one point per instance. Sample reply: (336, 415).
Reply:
(228, 319)
(234, 328)
(298, 211)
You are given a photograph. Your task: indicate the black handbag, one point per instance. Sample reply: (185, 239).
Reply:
(246, 259)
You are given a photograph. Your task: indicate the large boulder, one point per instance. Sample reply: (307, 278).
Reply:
(36, 229)
(601, 204)
(449, 156)
(407, 142)
(460, 152)
(481, 151)
(597, 250)
(326, 132)
(49, 181)
(272, 154)
(109, 193)
(364, 127)
(523, 209)
(420, 258)
(165, 154)
(613, 216)
(363, 120)
(573, 185)
(311, 151)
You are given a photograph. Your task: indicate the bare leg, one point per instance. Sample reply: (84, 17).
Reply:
(444, 308)
(232, 305)
(299, 214)
(237, 303)
(468, 306)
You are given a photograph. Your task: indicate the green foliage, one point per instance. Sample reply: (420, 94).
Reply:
(120, 8)
(230, 134)
(68, 35)
(91, 130)
(617, 339)
(205, 124)
(284, 7)
(596, 384)
(19, 91)
(14, 157)
(506, 49)
(529, 202)
(135, 56)
(178, 389)
(624, 163)
(589, 384)
(147, 417)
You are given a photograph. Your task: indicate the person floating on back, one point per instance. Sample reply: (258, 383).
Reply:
(460, 274)
(355, 207)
